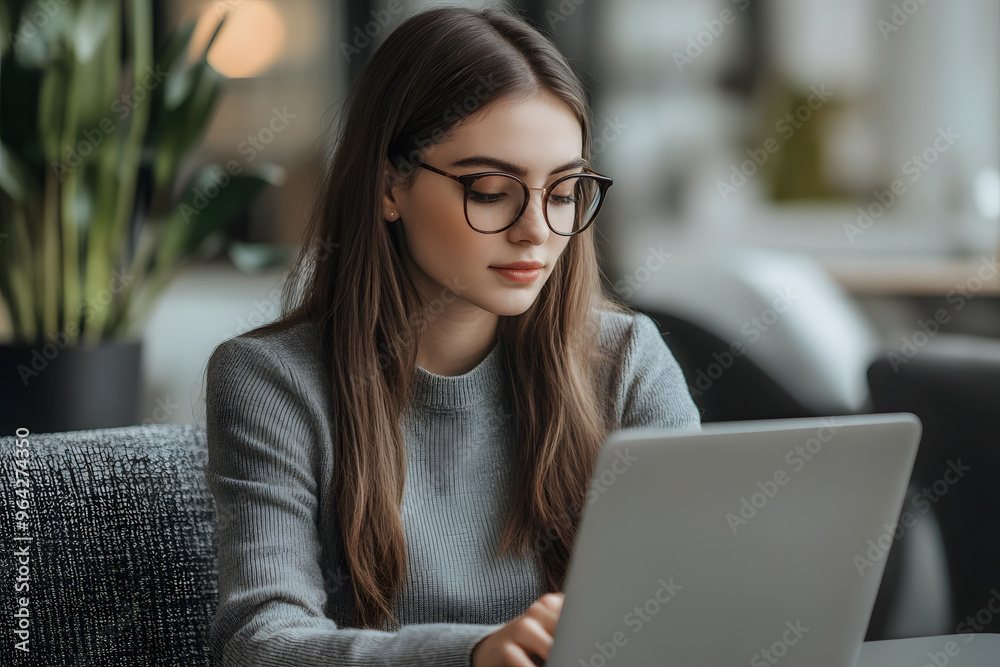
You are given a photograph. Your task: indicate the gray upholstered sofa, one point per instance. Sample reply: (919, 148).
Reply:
(122, 557)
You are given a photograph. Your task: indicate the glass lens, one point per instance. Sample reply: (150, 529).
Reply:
(493, 202)
(573, 203)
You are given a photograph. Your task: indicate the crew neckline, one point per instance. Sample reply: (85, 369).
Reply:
(451, 392)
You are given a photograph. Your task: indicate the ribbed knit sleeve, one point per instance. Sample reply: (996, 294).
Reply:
(653, 392)
(262, 470)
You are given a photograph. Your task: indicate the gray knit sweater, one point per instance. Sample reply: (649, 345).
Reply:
(284, 590)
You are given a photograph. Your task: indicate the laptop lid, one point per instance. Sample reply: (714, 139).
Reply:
(745, 543)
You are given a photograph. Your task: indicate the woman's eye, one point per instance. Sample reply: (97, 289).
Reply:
(485, 197)
(569, 199)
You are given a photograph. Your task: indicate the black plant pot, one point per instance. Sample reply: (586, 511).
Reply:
(48, 389)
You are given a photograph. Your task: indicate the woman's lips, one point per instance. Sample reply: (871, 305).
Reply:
(519, 275)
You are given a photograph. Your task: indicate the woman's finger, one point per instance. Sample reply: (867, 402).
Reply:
(532, 636)
(548, 615)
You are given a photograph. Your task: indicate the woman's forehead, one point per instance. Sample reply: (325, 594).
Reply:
(535, 135)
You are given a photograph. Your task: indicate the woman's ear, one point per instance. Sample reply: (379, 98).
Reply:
(391, 181)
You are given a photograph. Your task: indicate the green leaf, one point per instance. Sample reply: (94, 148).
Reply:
(211, 40)
(6, 28)
(181, 128)
(20, 93)
(212, 200)
(176, 46)
(91, 27)
(48, 41)
(51, 109)
(198, 109)
(181, 84)
(32, 45)
(182, 108)
(14, 178)
(95, 74)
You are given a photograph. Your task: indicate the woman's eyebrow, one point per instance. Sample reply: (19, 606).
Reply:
(503, 165)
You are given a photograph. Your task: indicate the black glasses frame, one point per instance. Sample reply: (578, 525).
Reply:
(603, 182)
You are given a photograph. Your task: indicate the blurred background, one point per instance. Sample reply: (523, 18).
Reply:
(806, 198)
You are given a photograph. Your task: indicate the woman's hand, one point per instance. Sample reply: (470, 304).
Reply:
(530, 634)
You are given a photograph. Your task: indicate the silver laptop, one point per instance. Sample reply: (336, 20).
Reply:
(753, 543)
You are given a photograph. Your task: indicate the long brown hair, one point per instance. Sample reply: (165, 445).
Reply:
(433, 70)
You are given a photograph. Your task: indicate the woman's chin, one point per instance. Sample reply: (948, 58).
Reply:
(511, 305)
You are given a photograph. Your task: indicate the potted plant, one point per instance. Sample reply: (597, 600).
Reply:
(93, 131)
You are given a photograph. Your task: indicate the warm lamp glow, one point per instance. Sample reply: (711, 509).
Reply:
(251, 40)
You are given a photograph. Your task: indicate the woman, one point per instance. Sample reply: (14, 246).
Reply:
(400, 462)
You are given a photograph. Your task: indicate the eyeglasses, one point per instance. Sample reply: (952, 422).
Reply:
(495, 200)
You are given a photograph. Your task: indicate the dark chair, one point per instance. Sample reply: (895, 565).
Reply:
(121, 562)
(953, 385)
